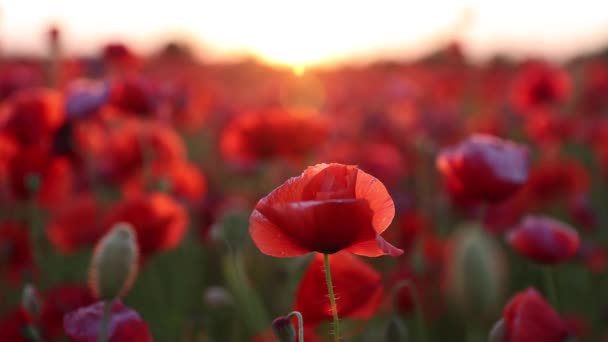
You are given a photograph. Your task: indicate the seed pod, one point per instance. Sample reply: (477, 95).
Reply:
(114, 263)
(283, 329)
(476, 272)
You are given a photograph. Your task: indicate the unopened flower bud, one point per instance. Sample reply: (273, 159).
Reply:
(476, 272)
(396, 331)
(114, 263)
(498, 332)
(283, 329)
(30, 300)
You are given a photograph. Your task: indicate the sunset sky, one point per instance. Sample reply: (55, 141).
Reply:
(313, 31)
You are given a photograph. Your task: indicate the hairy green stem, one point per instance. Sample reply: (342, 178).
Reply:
(332, 298)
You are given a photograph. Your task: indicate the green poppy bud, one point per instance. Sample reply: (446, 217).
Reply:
(114, 263)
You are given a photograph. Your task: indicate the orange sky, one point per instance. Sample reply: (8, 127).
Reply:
(314, 31)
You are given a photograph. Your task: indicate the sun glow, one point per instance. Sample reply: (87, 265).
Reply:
(302, 34)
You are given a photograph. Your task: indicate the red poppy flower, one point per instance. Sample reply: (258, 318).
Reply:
(75, 224)
(184, 180)
(549, 128)
(528, 318)
(133, 95)
(12, 326)
(413, 225)
(582, 212)
(357, 285)
(329, 208)
(16, 258)
(253, 137)
(118, 55)
(31, 162)
(125, 324)
(552, 180)
(57, 302)
(544, 240)
(539, 85)
(504, 215)
(132, 145)
(483, 168)
(159, 221)
(593, 257)
(18, 76)
(57, 183)
(593, 97)
(30, 116)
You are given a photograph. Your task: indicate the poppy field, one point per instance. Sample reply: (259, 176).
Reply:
(167, 198)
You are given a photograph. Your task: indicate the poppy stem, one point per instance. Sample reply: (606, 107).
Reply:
(105, 319)
(551, 284)
(300, 324)
(332, 298)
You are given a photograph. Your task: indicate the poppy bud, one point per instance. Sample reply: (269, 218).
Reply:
(114, 263)
(476, 271)
(396, 331)
(30, 300)
(283, 329)
(498, 332)
(232, 228)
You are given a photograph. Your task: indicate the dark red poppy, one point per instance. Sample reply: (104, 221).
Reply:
(75, 224)
(8, 151)
(329, 208)
(125, 324)
(502, 216)
(528, 318)
(357, 285)
(582, 211)
(31, 116)
(57, 302)
(254, 137)
(544, 239)
(159, 221)
(557, 179)
(16, 258)
(13, 326)
(539, 85)
(133, 95)
(593, 257)
(17, 76)
(549, 129)
(593, 97)
(483, 168)
(119, 55)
